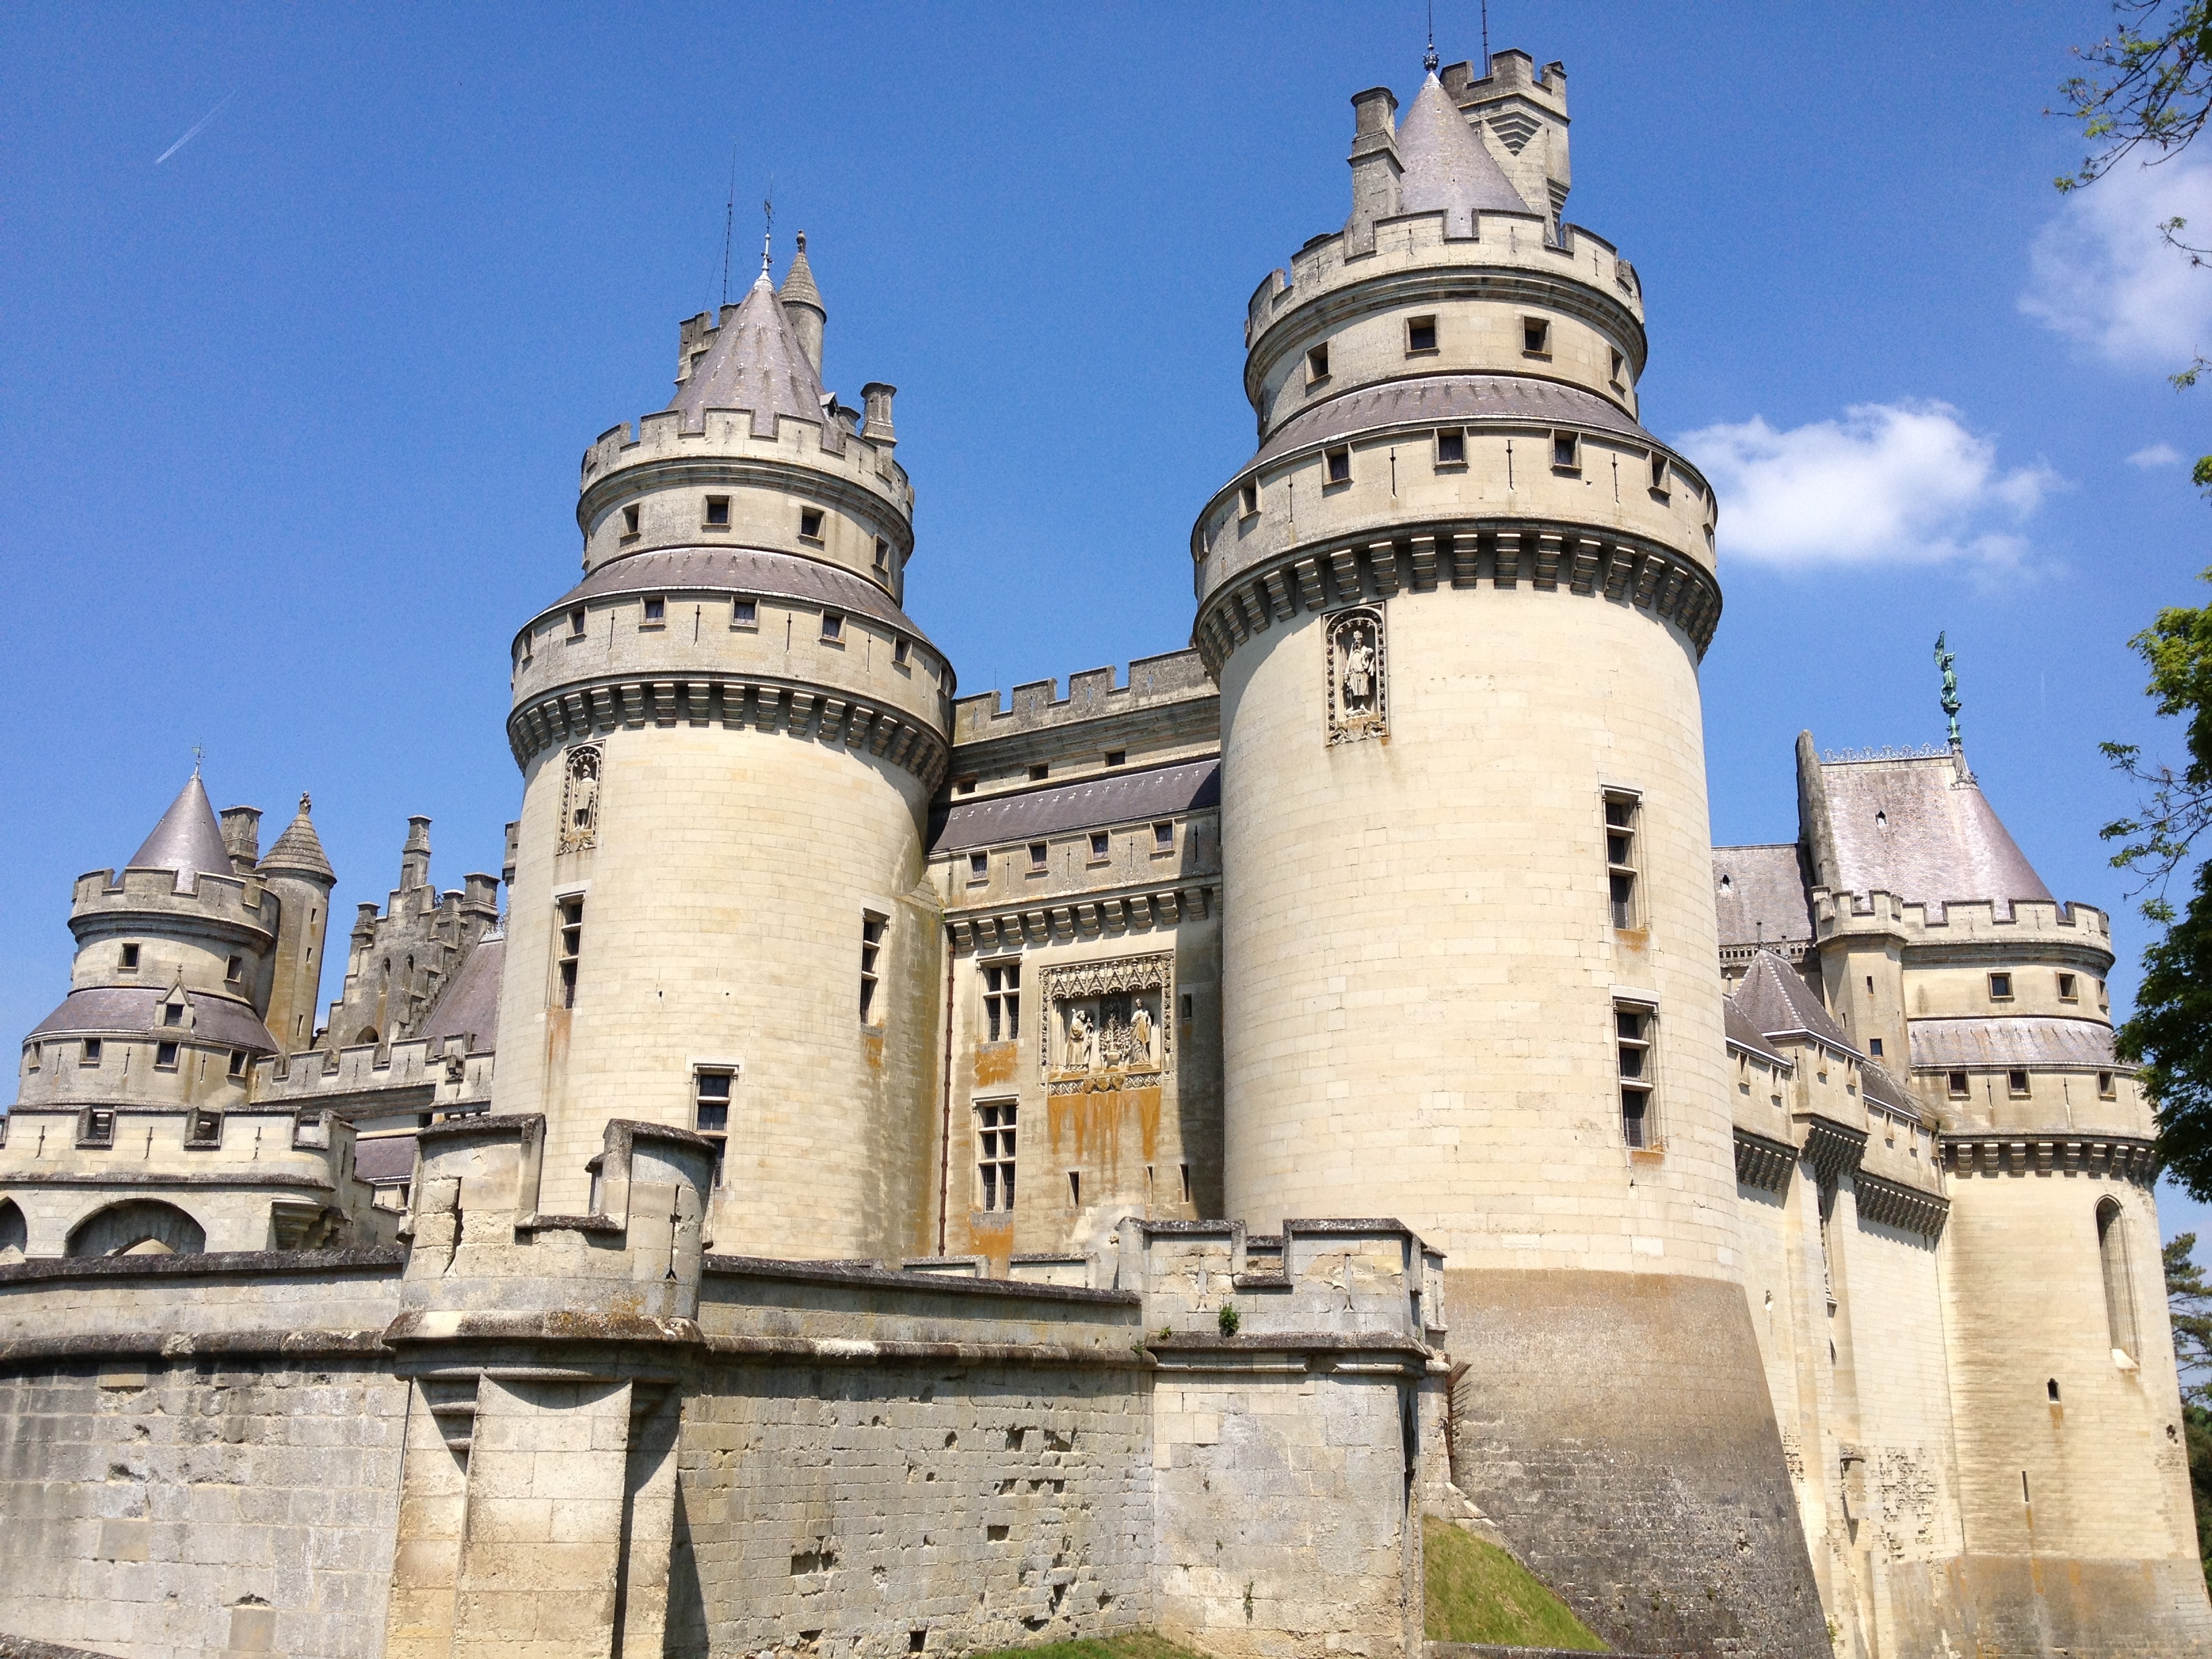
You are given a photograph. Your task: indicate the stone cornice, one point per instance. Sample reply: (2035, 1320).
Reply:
(1893, 1204)
(2043, 1152)
(1084, 915)
(576, 712)
(1665, 584)
(1762, 1163)
(1833, 1149)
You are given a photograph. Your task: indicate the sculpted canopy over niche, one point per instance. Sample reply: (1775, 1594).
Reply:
(579, 800)
(1355, 709)
(1106, 1022)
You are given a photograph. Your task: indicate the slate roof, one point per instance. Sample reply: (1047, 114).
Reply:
(2009, 1042)
(1093, 803)
(188, 840)
(132, 1010)
(799, 288)
(300, 848)
(1759, 895)
(1454, 399)
(1910, 828)
(469, 1005)
(384, 1160)
(1447, 168)
(757, 363)
(751, 570)
(1775, 998)
(1745, 1035)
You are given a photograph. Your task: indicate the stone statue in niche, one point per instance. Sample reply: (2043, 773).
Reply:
(579, 800)
(1106, 1022)
(1356, 683)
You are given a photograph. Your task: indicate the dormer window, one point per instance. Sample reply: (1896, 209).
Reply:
(1317, 365)
(656, 611)
(172, 1013)
(718, 512)
(1451, 447)
(1535, 337)
(130, 958)
(810, 524)
(629, 521)
(1420, 336)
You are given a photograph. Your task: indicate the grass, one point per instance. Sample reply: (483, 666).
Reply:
(1136, 1644)
(1476, 1592)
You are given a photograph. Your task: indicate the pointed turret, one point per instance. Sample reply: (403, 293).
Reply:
(299, 872)
(802, 304)
(1447, 166)
(299, 849)
(758, 362)
(188, 840)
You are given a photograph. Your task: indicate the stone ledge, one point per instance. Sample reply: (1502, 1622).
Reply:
(307, 1179)
(372, 1259)
(862, 1351)
(874, 1277)
(158, 1344)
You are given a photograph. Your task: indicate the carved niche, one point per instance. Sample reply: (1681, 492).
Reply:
(579, 799)
(1356, 693)
(1107, 1024)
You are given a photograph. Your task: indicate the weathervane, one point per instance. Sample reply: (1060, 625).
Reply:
(1429, 59)
(196, 760)
(1944, 661)
(768, 224)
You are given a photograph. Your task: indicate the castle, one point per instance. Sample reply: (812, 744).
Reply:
(907, 1173)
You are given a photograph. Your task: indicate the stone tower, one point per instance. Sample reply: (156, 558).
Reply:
(1456, 604)
(299, 872)
(729, 732)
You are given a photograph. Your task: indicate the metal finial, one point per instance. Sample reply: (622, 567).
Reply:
(1944, 662)
(1485, 40)
(1429, 57)
(196, 760)
(768, 224)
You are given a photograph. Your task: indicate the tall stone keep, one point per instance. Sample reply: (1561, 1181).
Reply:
(1457, 604)
(729, 732)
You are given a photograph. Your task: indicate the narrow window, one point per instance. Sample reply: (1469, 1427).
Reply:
(238, 1062)
(629, 520)
(1956, 1083)
(31, 1057)
(1038, 852)
(883, 556)
(89, 1055)
(810, 524)
(1185, 1003)
(1620, 362)
(2105, 1089)
(1117, 757)
(1039, 772)
(1622, 813)
(1632, 1027)
(1185, 1168)
(1099, 846)
(744, 613)
(903, 652)
(165, 1056)
(1659, 480)
(710, 1111)
(130, 958)
(1420, 335)
(871, 947)
(96, 1128)
(1339, 465)
(1566, 452)
(1002, 1001)
(233, 971)
(1451, 447)
(2067, 991)
(2016, 1083)
(656, 610)
(1075, 1188)
(1248, 498)
(569, 949)
(2051, 1390)
(576, 622)
(1163, 838)
(979, 867)
(172, 1013)
(963, 786)
(1317, 364)
(1874, 1046)
(833, 628)
(206, 1129)
(2000, 987)
(994, 1155)
(1535, 337)
(718, 512)
(2119, 1281)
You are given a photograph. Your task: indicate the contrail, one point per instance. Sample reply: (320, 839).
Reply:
(192, 133)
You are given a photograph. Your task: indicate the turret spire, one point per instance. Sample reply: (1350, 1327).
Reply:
(188, 840)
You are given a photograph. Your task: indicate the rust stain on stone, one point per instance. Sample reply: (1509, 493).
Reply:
(871, 1050)
(994, 1063)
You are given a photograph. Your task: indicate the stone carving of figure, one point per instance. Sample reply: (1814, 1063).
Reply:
(1082, 1055)
(1140, 1036)
(584, 800)
(1359, 670)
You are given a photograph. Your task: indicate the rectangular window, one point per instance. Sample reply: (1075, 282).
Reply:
(994, 1156)
(1317, 364)
(1039, 772)
(1248, 498)
(1117, 757)
(1535, 337)
(1075, 1188)
(2067, 991)
(883, 556)
(130, 958)
(1659, 479)
(1420, 335)
(1622, 858)
(1633, 1030)
(205, 1129)
(810, 524)
(902, 653)
(95, 1128)
(1620, 362)
(629, 520)
(656, 611)
(2016, 1082)
(964, 786)
(718, 512)
(1955, 1083)
(238, 1062)
(979, 867)
(1339, 461)
(233, 971)
(172, 1013)
(1451, 447)
(569, 946)
(710, 1111)
(1874, 1046)
(165, 1056)
(1163, 838)
(89, 1052)
(2104, 1088)
(2000, 987)
(1038, 853)
(871, 948)
(1099, 846)
(744, 613)
(30, 1056)
(576, 622)
(833, 628)
(1566, 452)
(1002, 1001)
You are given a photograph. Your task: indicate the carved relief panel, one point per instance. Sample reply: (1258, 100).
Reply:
(1357, 693)
(1108, 1022)
(579, 799)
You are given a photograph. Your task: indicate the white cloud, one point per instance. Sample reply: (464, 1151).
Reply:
(1903, 482)
(2100, 274)
(2154, 455)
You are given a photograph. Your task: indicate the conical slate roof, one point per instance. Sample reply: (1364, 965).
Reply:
(1448, 166)
(1775, 998)
(756, 362)
(1922, 830)
(187, 839)
(799, 288)
(299, 850)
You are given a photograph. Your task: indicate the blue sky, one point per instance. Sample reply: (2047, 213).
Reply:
(293, 413)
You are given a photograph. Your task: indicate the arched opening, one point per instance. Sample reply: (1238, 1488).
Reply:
(2119, 1282)
(366, 1035)
(15, 1231)
(138, 1226)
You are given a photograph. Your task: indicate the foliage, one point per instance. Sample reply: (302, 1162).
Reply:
(2189, 1302)
(1476, 1592)
(1229, 1319)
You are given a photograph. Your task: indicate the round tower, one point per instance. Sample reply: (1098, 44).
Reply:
(1457, 604)
(298, 871)
(729, 731)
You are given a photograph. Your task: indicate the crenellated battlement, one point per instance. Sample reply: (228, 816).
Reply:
(1035, 706)
(448, 1067)
(1963, 921)
(1373, 1279)
(831, 446)
(243, 903)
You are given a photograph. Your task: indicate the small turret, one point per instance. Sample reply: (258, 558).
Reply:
(802, 304)
(241, 834)
(299, 872)
(415, 856)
